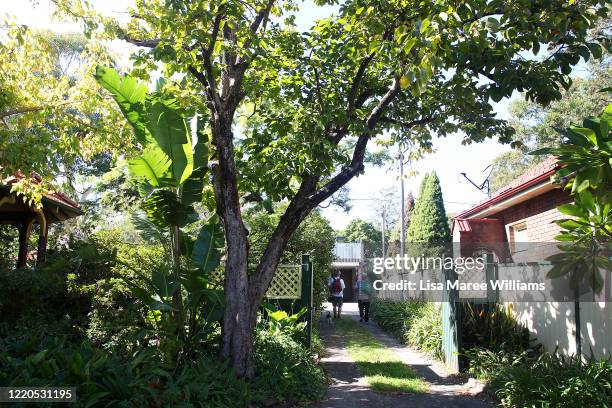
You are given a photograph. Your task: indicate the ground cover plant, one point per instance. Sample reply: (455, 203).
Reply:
(382, 370)
(76, 321)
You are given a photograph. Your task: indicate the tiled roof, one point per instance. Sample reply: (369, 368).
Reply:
(545, 167)
(54, 196)
(532, 176)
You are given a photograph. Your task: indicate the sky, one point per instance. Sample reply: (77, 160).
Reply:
(449, 158)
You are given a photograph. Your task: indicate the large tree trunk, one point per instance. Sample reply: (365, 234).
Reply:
(243, 292)
(237, 332)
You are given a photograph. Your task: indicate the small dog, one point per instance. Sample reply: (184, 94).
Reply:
(329, 319)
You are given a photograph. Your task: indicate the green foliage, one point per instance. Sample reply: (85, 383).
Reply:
(277, 321)
(184, 310)
(493, 328)
(535, 124)
(363, 231)
(548, 380)
(394, 316)
(80, 293)
(103, 380)
(429, 224)
(586, 156)
(183, 306)
(159, 125)
(53, 118)
(417, 323)
(425, 331)
(285, 369)
(8, 246)
(432, 58)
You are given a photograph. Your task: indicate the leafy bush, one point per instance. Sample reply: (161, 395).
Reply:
(493, 329)
(394, 316)
(484, 363)
(286, 368)
(548, 380)
(425, 330)
(80, 292)
(314, 236)
(142, 380)
(414, 322)
(276, 321)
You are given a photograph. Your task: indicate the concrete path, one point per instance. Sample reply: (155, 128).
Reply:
(348, 389)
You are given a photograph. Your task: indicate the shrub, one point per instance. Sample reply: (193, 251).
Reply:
(485, 363)
(394, 316)
(493, 329)
(548, 380)
(414, 322)
(286, 368)
(80, 292)
(103, 380)
(425, 330)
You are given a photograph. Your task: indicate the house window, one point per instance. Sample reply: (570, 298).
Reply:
(518, 238)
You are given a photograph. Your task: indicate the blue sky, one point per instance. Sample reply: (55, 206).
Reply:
(449, 158)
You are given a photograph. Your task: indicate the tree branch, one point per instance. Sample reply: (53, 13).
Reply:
(18, 111)
(405, 125)
(352, 97)
(143, 43)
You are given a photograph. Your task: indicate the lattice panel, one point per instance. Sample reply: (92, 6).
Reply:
(286, 283)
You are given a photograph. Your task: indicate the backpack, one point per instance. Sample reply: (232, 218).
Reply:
(336, 285)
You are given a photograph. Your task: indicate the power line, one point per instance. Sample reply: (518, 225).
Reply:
(380, 199)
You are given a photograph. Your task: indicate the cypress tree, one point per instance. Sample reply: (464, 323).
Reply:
(428, 224)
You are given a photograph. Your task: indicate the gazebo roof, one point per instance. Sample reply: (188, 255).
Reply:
(56, 206)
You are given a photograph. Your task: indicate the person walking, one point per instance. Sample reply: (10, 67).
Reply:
(336, 289)
(364, 291)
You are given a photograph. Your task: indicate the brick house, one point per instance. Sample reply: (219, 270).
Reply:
(516, 225)
(520, 214)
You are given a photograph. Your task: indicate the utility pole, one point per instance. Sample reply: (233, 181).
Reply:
(403, 212)
(382, 230)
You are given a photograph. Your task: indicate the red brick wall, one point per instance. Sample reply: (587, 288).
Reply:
(538, 213)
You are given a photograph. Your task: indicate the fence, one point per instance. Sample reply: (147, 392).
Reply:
(295, 282)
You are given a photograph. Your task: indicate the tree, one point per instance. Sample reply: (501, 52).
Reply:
(318, 98)
(52, 113)
(362, 231)
(536, 125)
(429, 224)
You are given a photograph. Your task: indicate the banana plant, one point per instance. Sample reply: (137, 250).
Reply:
(172, 174)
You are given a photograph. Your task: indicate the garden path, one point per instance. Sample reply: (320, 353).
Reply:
(348, 389)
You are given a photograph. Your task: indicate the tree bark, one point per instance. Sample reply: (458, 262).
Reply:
(237, 332)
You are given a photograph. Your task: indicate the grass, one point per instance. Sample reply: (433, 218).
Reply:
(382, 369)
